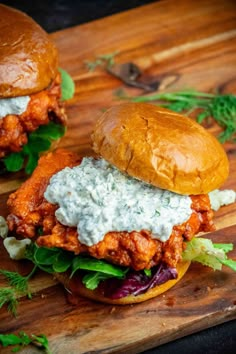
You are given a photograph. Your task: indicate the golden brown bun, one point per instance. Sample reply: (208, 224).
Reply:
(161, 147)
(78, 289)
(28, 58)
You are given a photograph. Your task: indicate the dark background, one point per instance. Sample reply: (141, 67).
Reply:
(59, 14)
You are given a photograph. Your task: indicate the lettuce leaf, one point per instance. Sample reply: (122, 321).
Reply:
(125, 281)
(57, 260)
(67, 85)
(97, 265)
(38, 141)
(14, 162)
(93, 279)
(209, 254)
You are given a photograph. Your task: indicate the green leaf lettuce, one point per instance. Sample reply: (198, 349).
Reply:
(67, 85)
(209, 254)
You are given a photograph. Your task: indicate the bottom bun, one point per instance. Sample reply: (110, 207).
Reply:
(76, 288)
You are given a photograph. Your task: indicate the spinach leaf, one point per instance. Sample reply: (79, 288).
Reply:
(98, 265)
(67, 85)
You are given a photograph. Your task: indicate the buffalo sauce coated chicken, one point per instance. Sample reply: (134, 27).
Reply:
(43, 107)
(29, 211)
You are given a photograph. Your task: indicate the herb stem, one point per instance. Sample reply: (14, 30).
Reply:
(168, 97)
(32, 272)
(29, 294)
(194, 94)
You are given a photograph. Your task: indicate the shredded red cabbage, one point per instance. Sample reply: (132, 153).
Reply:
(137, 283)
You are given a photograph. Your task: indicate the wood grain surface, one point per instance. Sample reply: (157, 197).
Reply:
(191, 44)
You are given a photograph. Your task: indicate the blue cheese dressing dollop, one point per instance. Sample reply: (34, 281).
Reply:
(97, 198)
(14, 105)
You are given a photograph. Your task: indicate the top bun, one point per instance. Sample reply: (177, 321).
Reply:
(161, 147)
(28, 58)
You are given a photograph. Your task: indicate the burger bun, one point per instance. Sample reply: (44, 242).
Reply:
(28, 58)
(161, 147)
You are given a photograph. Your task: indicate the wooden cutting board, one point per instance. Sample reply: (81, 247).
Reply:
(184, 44)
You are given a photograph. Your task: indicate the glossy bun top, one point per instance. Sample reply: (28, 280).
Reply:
(28, 58)
(161, 147)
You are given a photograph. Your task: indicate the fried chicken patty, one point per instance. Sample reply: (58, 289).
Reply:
(29, 212)
(43, 107)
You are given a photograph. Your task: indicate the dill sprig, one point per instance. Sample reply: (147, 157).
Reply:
(8, 297)
(19, 286)
(105, 60)
(221, 108)
(23, 339)
(17, 281)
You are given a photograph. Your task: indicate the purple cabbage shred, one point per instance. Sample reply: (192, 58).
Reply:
(137, 283)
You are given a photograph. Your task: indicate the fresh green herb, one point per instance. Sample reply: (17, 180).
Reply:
(62, 262)
(221, 108)
(98, 265)
(8, 297)
(19, 286)
(51, 131)
(229, 263)
(106, 61)
(31, 163)
(56, 260)
(92, 279)
(45, 256)
(17, 281)
(109, 58)
(91, 66)
(148, 272)
(207, 253)
(67, 85)
(14, 161)
(41, 341)
(226, 247)
(94, 270)
(12, 339)
(38, 141)
(22, 339)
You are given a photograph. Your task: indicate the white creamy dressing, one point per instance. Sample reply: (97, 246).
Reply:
(14, 105)
(219, 198)
(97, 198)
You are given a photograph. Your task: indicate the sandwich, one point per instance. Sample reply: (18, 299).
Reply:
(120, 227)
(31, 112)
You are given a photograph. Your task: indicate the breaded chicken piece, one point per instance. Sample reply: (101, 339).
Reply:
(25, 205)
(29, 211)
(43, 107)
